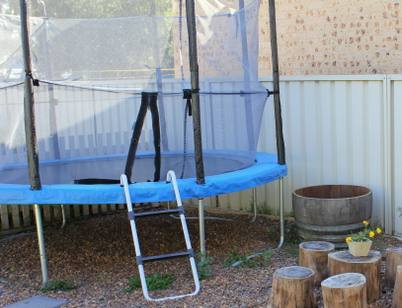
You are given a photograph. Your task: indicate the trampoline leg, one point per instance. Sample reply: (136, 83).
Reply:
(254, 204)
(63, 215)
(201, 218)
(281, 215)
(41, 242)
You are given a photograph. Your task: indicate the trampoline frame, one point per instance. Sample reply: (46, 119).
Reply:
(30, 130)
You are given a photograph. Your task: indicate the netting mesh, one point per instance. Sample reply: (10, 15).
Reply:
(92, 72)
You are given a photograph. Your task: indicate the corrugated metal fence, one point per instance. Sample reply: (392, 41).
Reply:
(338, 129)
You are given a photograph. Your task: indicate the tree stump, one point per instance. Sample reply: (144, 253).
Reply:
(314, 255)
(345, 291)
(343, 262)
(397, 297)
(394, 258)
(292, 287)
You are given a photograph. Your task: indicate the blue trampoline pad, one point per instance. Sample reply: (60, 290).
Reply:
(264, 170)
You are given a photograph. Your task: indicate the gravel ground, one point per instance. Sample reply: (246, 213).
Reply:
(97, 255)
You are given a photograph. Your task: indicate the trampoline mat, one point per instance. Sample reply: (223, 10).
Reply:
(67, 171)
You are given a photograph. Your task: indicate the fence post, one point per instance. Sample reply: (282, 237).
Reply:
(389, 204)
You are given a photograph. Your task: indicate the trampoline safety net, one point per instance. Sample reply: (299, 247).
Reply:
(100, 69)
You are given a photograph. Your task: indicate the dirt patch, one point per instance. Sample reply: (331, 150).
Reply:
(97, 256)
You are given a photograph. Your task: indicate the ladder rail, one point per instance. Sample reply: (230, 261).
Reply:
(171, 177)
(136, 240)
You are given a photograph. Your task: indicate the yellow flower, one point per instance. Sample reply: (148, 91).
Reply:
(365, 222)
(348, 239)
(371, 234)
(378, 230)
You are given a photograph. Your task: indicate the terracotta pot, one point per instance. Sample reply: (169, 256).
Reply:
(360, 249)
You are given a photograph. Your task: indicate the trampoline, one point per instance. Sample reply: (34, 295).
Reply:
(88, 101)
(264, 170)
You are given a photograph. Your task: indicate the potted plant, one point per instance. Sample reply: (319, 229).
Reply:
(359, 244)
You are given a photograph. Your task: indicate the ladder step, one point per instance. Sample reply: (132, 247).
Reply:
(131, 215)
(173, 255)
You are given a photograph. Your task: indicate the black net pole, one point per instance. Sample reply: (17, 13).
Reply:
(195, 86)
(29, 103)
(280, 144)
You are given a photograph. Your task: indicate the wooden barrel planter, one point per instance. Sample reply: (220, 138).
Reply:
(331, 212)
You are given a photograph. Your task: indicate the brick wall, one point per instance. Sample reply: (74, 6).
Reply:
(335, 37)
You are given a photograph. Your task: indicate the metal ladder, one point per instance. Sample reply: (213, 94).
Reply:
(171, 177)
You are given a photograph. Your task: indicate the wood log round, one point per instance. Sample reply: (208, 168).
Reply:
(314, 255)
(345, 291)
(292, 287)
(394, 259)
(397, 297)
(343, 262)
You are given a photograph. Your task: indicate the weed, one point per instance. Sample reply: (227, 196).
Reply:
(261, 259)
(264, 210)
(133, 284)
(204, 266)
(58, 285)
(292, 235)
(265, 257)
(292, 249)
(244, 261)
(290, 231)
(231, 258)
(155, 282)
